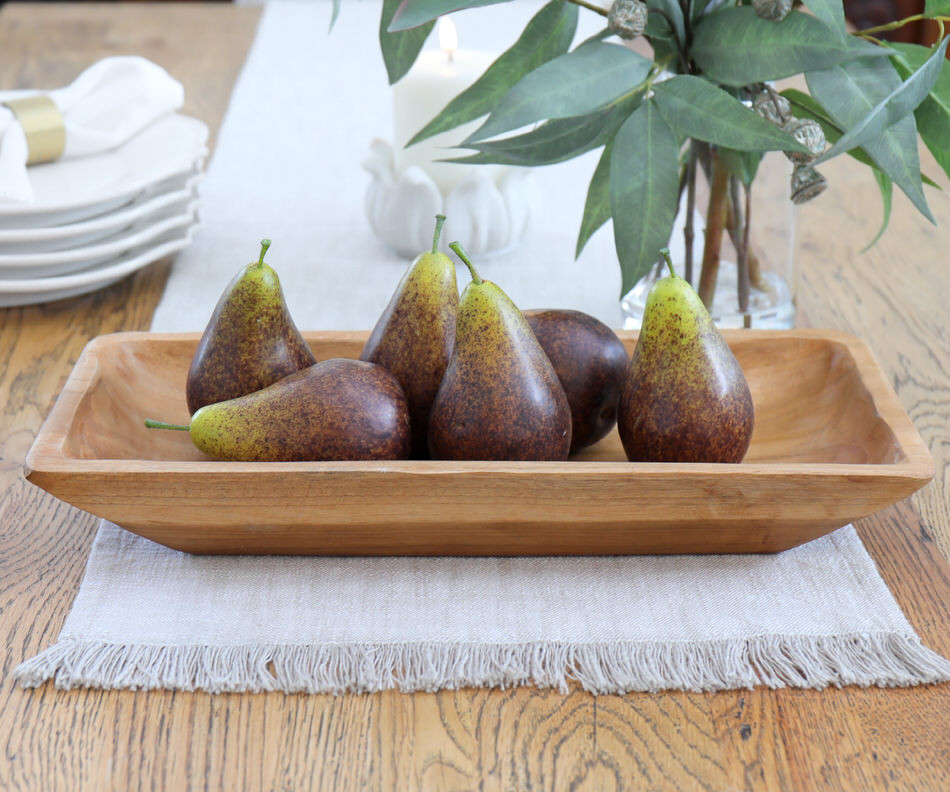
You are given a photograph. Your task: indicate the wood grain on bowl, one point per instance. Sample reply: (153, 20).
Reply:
(831, 444)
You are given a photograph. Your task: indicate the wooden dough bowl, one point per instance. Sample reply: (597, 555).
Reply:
(831, 444)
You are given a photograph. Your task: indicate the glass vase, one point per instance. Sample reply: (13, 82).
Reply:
(773, 260)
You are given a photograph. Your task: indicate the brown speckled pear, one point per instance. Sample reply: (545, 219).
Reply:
(250, 341)
(500, 398)
(591, 364)
(415, 335)
(339, 409)
(686, 398)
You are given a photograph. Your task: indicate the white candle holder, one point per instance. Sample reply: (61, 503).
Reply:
(486, 216)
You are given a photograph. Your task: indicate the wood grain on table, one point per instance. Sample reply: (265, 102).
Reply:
(894, 297)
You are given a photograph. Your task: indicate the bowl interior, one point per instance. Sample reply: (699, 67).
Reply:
(811, 404)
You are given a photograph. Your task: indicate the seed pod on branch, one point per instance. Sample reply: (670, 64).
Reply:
(810, 134)
(772, 10)
(772, 107)
(627, 18)
(807, 183)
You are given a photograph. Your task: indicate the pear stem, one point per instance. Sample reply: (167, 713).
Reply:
(460, 252)
(665, 252)
(162, 425)
(265, 244)
(439, 220)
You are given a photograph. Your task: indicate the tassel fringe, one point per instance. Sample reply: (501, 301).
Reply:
(884, 660)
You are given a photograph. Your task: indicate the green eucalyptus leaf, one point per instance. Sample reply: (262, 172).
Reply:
(661, 35)
(644, 191)
(557, 140)
(698, 8)
(664, 48)
(908, 58)
(734, 47)
(597, 206)
(547, 35)
(400, 50)
(933, 123)
(741, 164)
(935, 8)
(599, 36)
(831, 12)
(898, 104)
(933, 114)
(580, 82)
(887, 199)
(413, 13)
(334, 13)
(701, 110)
(849, 93)
(672, 11)
(805, 106)
(553, 141)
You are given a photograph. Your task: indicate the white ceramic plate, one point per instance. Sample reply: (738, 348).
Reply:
(62, 262)
(43, 290)
(146, 205)
(74, 189)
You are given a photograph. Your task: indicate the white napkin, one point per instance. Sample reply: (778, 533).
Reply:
(106, 105)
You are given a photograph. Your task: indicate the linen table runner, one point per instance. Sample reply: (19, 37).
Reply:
(287, 166)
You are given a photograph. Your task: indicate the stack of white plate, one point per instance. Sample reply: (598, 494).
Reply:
(97, 219)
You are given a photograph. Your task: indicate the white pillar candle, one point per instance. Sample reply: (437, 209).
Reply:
(437, 77)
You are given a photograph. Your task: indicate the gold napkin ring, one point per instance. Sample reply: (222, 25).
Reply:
(44, 127)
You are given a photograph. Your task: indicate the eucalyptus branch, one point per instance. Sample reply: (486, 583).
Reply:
(688, 232)
(715, 223)
(899, 23)
(744, 269)
(656, 71)
(643, 86)
(590, 7)
(756, 278)
(739, 223)
(774, 97)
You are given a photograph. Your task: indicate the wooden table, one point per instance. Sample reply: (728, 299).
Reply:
(895, 297)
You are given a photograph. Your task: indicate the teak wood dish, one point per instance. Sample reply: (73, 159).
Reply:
(831, 444)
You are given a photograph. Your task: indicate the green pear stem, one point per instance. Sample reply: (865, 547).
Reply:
(265, 244)
(162, 425)
(665, 252)
(460, 252)
(439, 220)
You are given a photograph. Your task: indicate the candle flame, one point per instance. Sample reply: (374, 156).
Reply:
(448, 36)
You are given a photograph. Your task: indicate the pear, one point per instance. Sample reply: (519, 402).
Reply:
(686, 398)
(415, 335)
(335, 410)
(250, 341)
(591, 364)
(500, 397)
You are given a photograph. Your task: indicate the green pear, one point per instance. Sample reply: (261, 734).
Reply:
(686, 398)
(415, 335)
(335, 410)
(591, 364)
(250, 341)
(500, 397)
